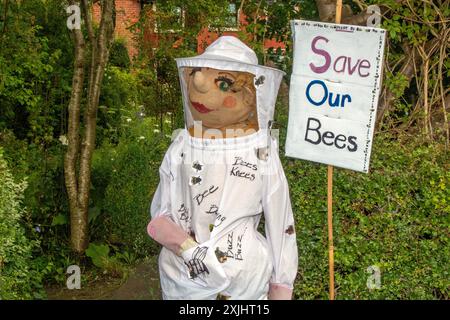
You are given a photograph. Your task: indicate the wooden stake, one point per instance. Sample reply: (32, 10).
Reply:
(330, 195)
(338, 11)
(330, 230)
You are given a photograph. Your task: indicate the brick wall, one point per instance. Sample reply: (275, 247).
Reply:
(127, 13)
(206, 37)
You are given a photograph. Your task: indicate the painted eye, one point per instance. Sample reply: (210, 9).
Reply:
(224, 84)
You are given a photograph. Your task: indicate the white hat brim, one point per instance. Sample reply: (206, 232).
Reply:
(222, 62)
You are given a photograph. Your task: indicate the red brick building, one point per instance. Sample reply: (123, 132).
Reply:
(128, 12)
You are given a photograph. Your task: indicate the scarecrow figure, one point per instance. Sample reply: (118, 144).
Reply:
(220, 175)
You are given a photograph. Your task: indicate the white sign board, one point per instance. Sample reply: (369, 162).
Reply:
(334, 91)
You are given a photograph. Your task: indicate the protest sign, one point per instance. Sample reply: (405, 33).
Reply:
(334, 91)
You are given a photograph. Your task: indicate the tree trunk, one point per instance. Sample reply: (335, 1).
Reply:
(78, 181)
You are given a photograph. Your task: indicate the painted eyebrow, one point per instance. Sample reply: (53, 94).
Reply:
(229, 74)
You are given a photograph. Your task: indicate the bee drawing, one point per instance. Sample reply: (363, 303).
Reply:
(290, 230)
(262, 153)
(221, 296)
(197, 166)
(195, 180)
(196, 265)
(260, 80)
(221, 256)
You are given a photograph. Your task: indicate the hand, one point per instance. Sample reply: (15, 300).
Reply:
(279, 292)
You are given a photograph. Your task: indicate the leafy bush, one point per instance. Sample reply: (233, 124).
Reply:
(118, 55)
(17, 279)
(118, 101)
(36, 59)
(124, 181)
(44, 196)
(45, 200)
(115, 264)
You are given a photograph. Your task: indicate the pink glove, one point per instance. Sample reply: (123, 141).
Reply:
(167, 233)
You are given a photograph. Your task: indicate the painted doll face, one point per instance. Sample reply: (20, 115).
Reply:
(220, 98)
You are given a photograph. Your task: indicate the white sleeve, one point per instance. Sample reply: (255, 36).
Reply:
(161, 204)
(279, 227)
(162, 228)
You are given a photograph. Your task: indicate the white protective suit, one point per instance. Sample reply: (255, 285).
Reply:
(227, 185)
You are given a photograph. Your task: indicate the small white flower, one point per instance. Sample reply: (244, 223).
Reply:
(167, 121)
(64, 140)
(169, 113)
(128, 119)
(141, 138)
(155, 130)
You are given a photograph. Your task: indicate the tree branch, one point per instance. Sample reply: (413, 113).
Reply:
(87, 17)
(408, 70)
(359, 19)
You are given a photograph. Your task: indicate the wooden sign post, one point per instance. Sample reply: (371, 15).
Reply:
(330, 230)
(330, 196)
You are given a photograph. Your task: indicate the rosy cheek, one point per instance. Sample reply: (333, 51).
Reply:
(229, 102)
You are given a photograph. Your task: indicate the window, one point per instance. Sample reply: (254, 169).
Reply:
(168, 19)
(230, 21)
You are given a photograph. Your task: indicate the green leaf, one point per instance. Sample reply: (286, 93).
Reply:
(98, 254)
(59, 220)
(94, 212)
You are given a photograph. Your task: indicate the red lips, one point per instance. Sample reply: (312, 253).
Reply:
(200, 107)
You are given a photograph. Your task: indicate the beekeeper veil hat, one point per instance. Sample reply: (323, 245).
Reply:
(229, 53)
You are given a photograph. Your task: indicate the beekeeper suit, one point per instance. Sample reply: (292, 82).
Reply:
(213, 193)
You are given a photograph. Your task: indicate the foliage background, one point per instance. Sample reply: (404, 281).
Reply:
(396, 217)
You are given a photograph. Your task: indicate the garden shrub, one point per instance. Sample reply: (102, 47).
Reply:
(118, 54)
(118, 101)
(126, 176)
(18, 280)
(45, 196)
(45, 199)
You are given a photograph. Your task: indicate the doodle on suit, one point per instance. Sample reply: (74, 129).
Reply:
(196, 265)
